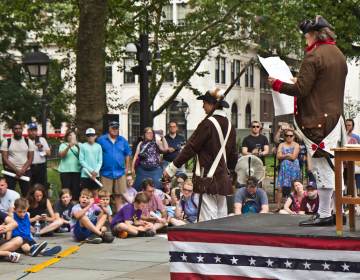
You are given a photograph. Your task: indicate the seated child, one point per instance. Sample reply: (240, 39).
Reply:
(29, 246)
(128, 219)
(104, 204)
(310, 203)
(10, 245)
(63, 209)
(186, 210)
(41, 210)
(293, 202)
(87, 223)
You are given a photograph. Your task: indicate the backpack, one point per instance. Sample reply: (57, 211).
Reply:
(26, 141)
(182, 201)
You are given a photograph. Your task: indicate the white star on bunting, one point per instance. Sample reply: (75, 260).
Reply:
(306, 265)
(217, 259)
(252, 261)
(288, 264)
(269, 262)
(345, 267)
(233, 260)
(184, 257)
(200, 258)
(326, 266)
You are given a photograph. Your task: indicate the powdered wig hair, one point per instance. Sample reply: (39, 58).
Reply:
(325, 34)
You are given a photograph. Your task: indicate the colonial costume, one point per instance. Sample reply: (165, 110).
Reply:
(319, 100)
(213, 143)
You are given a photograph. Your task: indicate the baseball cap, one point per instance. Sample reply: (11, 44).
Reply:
(90, 131)
(114, 124)
(32, 125)
(311, 185)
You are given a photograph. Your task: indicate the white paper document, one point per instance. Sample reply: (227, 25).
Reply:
(278, 69)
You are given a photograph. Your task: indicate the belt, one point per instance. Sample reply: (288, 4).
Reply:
(36, 164)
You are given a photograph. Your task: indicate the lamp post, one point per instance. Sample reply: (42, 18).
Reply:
(184, 108)
(141, 49)
(36, 63)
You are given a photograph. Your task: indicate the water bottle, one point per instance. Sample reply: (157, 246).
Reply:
(37, 230)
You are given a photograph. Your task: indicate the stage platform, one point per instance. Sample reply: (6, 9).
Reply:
(263, 246)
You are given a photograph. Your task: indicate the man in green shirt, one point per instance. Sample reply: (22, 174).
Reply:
(91, 161)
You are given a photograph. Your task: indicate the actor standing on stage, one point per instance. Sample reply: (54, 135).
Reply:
(319, 93)
(205, 144)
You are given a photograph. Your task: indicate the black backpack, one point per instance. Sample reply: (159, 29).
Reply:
(26, 141)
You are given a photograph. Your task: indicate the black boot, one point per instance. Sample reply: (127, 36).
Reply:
(316, 221)
(334, 219)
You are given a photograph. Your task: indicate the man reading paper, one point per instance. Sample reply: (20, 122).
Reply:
(319, 92)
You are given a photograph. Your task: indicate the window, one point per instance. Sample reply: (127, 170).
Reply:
(223, 70)
(248, 115)
(235, 71)
(234, 115)
(174, 114)
(134, 122)
(264, 85)
(129, 76)
(108, 74)
(167, 13)
(169, 76)
(181, 13)
(249, 76)
(217, 70)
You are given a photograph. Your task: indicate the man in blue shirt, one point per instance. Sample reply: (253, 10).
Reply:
(116, 161)
(175, 142)
(251, 199)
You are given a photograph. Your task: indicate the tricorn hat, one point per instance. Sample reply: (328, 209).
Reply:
(314, 25)
(213, 97)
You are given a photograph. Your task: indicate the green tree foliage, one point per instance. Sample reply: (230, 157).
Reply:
(20, 99)
(209, 27)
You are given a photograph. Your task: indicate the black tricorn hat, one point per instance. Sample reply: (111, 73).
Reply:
(314, 25)
(213, 97)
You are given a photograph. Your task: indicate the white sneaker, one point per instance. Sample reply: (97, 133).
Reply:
(14, 257)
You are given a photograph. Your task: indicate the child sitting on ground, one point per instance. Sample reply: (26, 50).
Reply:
(63, 209)
(41, 210)
(310, 203)
(104, 203)
(88, 219)
(128, 219)
(29, 246)
(9, 245)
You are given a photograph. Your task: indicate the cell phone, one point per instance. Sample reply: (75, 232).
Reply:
(177, 193)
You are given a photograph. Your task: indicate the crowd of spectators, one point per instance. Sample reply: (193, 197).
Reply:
(107, 193)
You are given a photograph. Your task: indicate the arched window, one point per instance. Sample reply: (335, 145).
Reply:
(134, 122)
(174, 113)
(234, 115)
(248, 115)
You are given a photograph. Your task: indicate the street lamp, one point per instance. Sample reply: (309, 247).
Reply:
(36, 64)
(184, 108)
(141, 49)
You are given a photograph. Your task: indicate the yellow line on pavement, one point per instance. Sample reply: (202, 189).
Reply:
(41, 266)
(57, 258)
(68, 251)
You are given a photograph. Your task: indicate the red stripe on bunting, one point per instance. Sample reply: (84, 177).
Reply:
(195, 276)
(266, 240)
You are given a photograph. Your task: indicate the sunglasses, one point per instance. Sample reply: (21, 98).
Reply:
(255, 126)
(289, 135)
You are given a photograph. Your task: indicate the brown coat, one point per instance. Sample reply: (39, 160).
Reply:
(319, 90)
(205, 143)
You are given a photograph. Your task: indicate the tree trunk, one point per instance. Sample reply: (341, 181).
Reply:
(90, 66)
